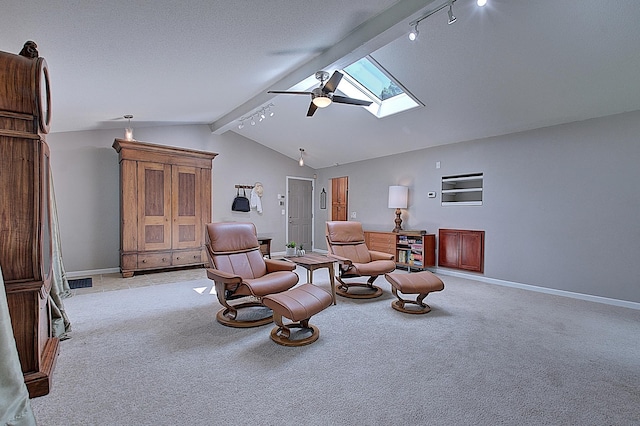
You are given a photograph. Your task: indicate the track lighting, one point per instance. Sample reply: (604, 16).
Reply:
(452, 18)
(301, 160)
(413, 34)
(258, 115)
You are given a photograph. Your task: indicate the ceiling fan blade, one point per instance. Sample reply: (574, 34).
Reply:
(283, 92)
(350, 101)
(312, 109)
(333, 82)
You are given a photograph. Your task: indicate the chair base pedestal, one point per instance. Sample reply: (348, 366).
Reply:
(224, 316)
(373, 292)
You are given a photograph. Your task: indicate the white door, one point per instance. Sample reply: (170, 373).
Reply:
(300, 212)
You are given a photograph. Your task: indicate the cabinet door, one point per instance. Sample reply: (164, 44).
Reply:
(448, 249)
(472, 251)
(154, 206)
(186, 207)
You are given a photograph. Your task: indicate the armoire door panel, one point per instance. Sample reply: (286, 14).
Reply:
(154, 206)
(186, 210)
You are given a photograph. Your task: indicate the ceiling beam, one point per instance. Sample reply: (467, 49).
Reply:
(368, 37)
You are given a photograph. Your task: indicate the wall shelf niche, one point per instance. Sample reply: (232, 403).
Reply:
(462, 190)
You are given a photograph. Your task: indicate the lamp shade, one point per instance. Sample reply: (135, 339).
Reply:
(398, 197)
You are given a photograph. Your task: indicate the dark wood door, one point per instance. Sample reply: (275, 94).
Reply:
(339, 197)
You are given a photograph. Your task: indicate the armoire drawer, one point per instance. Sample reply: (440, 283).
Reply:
(187, 257)
(154, 260)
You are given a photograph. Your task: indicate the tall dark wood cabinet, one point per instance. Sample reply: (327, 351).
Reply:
(25, 217)
(165, 202)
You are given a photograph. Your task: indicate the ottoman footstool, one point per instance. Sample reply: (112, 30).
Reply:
(420, 283)
(298, 305)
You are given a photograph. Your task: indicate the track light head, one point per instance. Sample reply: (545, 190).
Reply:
(413, 35)
(452, 18)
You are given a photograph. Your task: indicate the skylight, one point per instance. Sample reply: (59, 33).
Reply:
(367, 77)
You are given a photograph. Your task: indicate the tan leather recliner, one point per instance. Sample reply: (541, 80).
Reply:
(241, 272)
(345, 241)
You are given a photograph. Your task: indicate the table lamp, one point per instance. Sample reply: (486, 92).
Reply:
(398, 196)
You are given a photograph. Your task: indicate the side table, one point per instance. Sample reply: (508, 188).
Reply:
(311, 262)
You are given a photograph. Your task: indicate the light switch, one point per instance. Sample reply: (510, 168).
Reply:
(353, 215)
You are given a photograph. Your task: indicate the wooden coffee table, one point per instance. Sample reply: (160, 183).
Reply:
(311, 262)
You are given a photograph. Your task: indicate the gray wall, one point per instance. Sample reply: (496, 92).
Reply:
(560, 209)
(560, 204)
(86, 177)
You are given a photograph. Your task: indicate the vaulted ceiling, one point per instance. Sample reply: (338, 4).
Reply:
(510, 66)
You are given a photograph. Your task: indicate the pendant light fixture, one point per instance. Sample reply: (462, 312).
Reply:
(128, 132)
(301, 160)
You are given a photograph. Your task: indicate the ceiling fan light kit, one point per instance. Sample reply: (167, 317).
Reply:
(324, 95)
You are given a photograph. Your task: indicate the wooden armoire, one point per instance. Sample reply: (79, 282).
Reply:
(25, 216)
(165, 202)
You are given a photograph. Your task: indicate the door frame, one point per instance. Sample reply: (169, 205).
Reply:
(313, 207)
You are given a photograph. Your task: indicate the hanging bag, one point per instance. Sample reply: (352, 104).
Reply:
(241, 202)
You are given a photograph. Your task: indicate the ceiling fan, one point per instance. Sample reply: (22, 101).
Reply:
(323, 96)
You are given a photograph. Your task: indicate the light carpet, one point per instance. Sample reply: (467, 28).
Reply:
(484, 355)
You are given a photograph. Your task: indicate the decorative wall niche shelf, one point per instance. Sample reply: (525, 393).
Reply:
(462, 190)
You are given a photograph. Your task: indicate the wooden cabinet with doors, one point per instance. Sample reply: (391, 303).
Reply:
(165, 202)
(25, 217)
(339, 196)
(461, 249)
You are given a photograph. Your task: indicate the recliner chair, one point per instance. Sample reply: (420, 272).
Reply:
(240, 271)
(346, 244)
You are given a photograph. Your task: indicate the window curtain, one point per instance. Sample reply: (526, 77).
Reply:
(60, 324)
(15, 408)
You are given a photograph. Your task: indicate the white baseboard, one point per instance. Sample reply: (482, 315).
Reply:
(581, 296)
(564, 293)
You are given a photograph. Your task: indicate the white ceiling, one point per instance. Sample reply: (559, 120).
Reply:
(513, 65)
